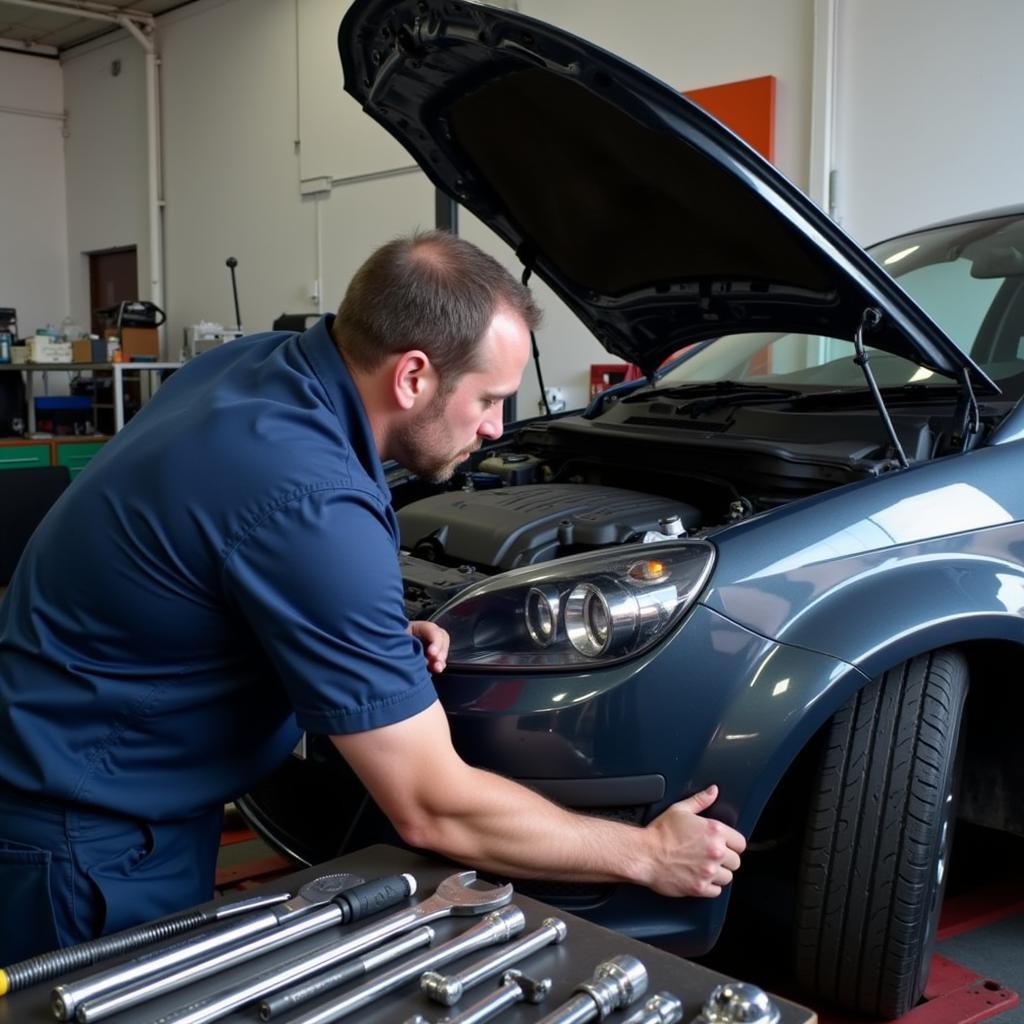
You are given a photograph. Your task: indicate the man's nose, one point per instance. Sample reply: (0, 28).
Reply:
(492, 427)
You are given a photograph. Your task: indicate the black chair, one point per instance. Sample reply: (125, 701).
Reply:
(25, 497)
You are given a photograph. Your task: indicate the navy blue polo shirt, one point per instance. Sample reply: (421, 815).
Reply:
(222, 572)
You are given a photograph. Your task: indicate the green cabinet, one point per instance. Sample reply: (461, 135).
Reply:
(71, 452)
(75, 455)
(24, 456)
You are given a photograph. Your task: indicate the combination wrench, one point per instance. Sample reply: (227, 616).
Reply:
(448, 989)
(498, 926)
(100, 995)
(513, 988)
(616, 983)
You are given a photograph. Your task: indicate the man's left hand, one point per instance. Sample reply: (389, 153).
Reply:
(435, 642)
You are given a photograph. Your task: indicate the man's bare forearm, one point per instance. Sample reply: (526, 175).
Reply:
(438, 802)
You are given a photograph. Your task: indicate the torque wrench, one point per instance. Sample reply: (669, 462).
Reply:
(448, 989)
(452, 896)
(99, 995)
(498, 926)
(513, 988)
(221, 1003)
(735, 1002)
(85, 954)
(616, 983)
(661, 1008)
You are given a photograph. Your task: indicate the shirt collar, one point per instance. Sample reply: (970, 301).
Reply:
(323, 355)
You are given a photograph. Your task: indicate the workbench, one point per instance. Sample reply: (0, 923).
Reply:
(567, 964)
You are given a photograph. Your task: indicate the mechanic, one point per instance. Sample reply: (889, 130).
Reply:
(224, 574)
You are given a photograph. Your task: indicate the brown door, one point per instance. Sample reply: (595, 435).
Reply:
(113, 278)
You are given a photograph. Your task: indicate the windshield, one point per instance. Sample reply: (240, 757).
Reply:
(968, 277)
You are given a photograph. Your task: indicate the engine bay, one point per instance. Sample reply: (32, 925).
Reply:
(649, 467)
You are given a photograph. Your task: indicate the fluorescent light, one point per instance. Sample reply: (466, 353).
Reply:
(897, 256)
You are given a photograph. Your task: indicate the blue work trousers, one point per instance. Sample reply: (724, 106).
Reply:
(70, 873)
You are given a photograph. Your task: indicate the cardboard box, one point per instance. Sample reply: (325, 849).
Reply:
(140, 341)
(87, 350)
(43, 349)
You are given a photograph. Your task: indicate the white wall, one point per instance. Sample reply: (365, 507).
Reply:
(106, 160)
(929, 122)
(33, 258)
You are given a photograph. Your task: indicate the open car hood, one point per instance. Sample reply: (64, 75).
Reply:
(654, 223)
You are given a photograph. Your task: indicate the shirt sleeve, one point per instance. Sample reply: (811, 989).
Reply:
(319, 584)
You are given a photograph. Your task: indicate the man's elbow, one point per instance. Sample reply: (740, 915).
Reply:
(420, 829)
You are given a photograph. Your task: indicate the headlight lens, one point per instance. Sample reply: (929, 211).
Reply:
(587, 609)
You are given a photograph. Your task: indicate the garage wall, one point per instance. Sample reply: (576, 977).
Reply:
(107, 196)
(33, 258)
(249, 127)
(928, 115)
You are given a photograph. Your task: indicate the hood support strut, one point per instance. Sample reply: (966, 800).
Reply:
(872, 318)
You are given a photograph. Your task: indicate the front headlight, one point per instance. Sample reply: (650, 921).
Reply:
(584, 610)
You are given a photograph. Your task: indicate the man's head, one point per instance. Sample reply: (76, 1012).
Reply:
(434, 292)
(436, 334)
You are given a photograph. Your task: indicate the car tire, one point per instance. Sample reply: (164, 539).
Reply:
(879, 831)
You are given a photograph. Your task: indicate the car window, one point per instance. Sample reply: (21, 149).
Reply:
(954, 299)
(968, 277)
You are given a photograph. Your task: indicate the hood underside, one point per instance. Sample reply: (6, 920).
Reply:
(648, 218)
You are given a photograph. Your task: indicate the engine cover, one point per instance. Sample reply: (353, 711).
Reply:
(513, 526)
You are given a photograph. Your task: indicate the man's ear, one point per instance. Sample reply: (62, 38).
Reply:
(413, 379)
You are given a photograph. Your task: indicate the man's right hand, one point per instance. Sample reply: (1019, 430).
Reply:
(694, 856)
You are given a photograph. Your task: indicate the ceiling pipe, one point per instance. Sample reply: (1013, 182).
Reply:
(153, 159)
(86, 9)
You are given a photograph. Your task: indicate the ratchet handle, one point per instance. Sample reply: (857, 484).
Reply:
(374, 896)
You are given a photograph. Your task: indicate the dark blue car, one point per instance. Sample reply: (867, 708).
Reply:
(792, 565)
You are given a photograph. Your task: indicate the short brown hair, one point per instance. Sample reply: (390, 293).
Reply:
(431, 291)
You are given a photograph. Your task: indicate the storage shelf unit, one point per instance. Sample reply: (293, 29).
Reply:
(116, 370)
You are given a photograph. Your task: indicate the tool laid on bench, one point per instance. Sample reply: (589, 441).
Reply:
(85, 954)
(661, 1008)
(448, 989)
(514, 988)
(616, 983)
(220, 1004)
(98, 995)
(498, 926)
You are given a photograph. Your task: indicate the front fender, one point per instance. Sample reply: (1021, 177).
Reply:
(879, 608)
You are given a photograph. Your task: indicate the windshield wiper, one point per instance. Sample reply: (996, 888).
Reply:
(713, 394)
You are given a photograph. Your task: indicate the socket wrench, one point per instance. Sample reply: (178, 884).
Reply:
(448, 989)
(67, 998)
(350, 905)
(498, 926)
(616, 983)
